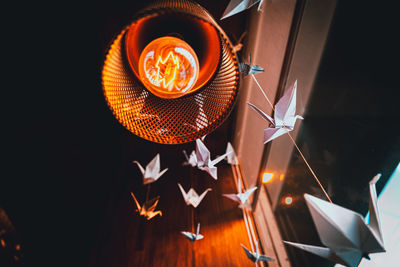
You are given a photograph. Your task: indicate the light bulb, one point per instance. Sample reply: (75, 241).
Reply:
(168, 67)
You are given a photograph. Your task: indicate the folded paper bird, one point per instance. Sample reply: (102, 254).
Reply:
(193, 236)
(191, 159)
(240, 197)
(237, 6)
(152, 172)
(238, 46)
(191, 197)
(344, 232)
(147, 210)
(284, 116)
(255, 256)
(203, 158)
(247, 69)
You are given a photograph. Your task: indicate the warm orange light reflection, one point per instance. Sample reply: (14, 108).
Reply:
(288, 200)
(267, 177)
(18, 247)
(168, 67)
(3, 243)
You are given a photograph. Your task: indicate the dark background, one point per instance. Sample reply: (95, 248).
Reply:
(62, 146)
(64, 149)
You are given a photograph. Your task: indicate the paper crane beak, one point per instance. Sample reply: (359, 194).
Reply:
(366, 256)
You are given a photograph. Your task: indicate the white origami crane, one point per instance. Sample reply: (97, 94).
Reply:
(193, 236)
(238, 46)
(231, 157)
(284, 117)
(152, 172)
(247, 69)
(147, 210)
(191, 197)
(204, 161)
(241, 198)
(236, 6)
(191, 159)
(256, 256)
(344, 233)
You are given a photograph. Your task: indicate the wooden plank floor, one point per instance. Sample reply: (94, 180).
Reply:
(126, 239)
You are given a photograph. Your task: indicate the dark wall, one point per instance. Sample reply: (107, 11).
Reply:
(63, 147)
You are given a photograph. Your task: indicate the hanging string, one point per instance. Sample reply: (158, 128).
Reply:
(294, 143)
(192, 208)
(148, 192)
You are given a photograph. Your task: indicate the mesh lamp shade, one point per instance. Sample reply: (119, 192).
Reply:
(169, 112)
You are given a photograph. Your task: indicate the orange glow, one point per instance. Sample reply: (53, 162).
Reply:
(168, 67)
(169, 74)
(3, 243)
(288, 200)
(18, 247)
(267, 177)
(281, 177)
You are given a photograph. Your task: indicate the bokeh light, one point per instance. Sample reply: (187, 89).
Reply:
(288, 200)
(267, 177)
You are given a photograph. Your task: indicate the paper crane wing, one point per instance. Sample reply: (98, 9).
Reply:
(185, 196)
(249, 254)
(247, 69)
(136, 202)
(285, 109)
(189, 235)
(231, 158)
(202, 153)
(199, 236)
(326, 253)
(140, 167)
(191, 159)
(220, 158)
(200, 198)
(233, 197)
(153, 170)
(273, 133)
(374, 218)
(244, 196)
(262, 113)
(150, 205)
(254, 69)
(237, 6)
(193, 236)
(212, 170)
(334, 223)
(265, 258)
(161, 173)
(151, 214)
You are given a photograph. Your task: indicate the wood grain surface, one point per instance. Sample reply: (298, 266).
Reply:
(127, 239)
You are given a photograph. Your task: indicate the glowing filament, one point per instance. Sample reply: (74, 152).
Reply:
(168, 67)
(171, 62)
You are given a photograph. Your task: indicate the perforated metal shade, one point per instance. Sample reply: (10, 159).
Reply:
(179, 120)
